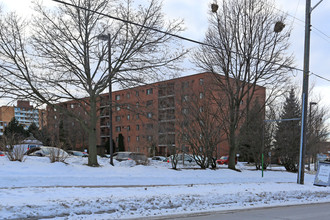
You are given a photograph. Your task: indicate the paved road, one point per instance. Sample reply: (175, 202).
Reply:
(301, 212)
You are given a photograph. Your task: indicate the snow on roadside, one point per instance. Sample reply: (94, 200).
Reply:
(37, 188)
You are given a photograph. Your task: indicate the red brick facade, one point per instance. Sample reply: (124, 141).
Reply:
(147, 116)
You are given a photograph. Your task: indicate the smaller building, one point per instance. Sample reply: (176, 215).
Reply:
(23, 112)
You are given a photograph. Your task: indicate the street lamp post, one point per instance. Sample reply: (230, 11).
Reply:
(310, 132)
(107, 37)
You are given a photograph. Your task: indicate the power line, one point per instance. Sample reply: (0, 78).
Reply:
(170, 34)
(321, 77)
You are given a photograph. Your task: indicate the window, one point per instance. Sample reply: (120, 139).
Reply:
(117, 97)
(128, 106)
(128, 139)
(136, 93)
(185, 111)
(149, 138)
(149, 115)
(137, 105)
(72, 124)
(149, 103)
(72, 105)
(118, 128)
(201, 109)
(128, 95)
(118, 108)
(137, 138)
(185, 98)
(128, 128)
(201, 95)
(201, 81)
(137, 127)
(117, 118)
(137, 116)
(185, 85)
(149, 91)
(55, 117)
(128, 117)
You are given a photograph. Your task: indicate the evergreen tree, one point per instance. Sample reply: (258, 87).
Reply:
(253, 139)
(107, 146)
(287, 136)
(14, 128)
(34, 130)
(121, 146)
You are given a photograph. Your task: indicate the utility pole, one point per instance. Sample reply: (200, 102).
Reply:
(301, 171)
(304, 94)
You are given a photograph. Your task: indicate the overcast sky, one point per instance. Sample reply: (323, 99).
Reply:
(195, 15)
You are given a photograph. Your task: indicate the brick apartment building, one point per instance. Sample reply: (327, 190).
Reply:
(148, 117)
(23, 112)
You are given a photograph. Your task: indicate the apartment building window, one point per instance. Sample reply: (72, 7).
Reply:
(72, 124)
(201, 95)
(136, 93)
(128, 139)
(201, 109)
(117, 118)
(128, 117)
(72, 105)
(117, 97)
(137, 105)
(201, 81)
(149, 103)
(185, 98)
(55, 117)
(118, 108)
(137, 138)
(149, 137)
(137, 127)
(128, 95)
(128, 106)
(185, 85)
(149, 115)
(185, 111)
(149, 91)
(128, 128)
(137, 116)
(118, 128)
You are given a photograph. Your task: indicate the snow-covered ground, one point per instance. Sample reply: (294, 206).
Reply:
(39, 189)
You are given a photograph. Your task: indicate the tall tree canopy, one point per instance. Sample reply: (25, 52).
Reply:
(58, 56)
(244, 51)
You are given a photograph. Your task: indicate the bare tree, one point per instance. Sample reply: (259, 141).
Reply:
(200, 128)
(59, 56)
(242, 47)
(317, 131)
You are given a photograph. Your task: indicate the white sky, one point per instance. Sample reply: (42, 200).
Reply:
(195, 15)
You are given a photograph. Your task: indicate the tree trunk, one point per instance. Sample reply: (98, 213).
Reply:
(92, 159)
(232, 149)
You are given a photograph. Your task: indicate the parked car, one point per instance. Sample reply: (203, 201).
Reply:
(46, 151)
(77, 153)
(139, 158)
(186, 159)
(225, 160)
(160, 158)
(2, 153)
